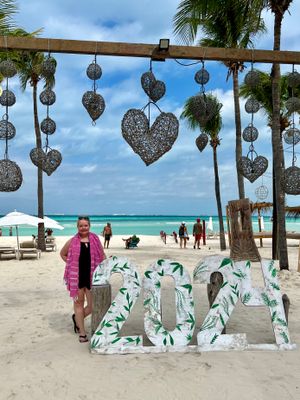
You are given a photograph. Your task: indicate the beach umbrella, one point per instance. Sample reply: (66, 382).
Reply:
(52, 224)
(17, 219)
(210, 224)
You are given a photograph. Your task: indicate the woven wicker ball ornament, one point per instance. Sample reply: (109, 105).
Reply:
(47, 97)
(250, 133)
(10, 176)
(149, 144)
(262, 192)
(202, 141)
(252, 106)
(8, 68)
(291, 136)
(52, 161)
(293, 104)
(291, 180)
(202, 76)
(252, 170)
(293, 79)
(37, 157)
(48, 67)
(48, 126)
(7, 130)
(94, 71)
(7, 98)
(252, 78)
(94, 104)
(154, 88)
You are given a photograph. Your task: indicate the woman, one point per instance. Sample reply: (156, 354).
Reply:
(107, 233)
(82, 254)
(183, 235)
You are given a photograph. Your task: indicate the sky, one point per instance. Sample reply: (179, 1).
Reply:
(100, 173)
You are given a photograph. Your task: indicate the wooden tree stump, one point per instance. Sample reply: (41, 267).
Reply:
(101, 302)
(243, 246)
(216, 281)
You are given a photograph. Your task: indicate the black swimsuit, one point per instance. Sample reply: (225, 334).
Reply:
(84, 266)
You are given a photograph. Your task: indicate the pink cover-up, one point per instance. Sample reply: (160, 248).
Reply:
(71, 275)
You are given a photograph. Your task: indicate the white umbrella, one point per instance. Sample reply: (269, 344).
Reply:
(16, 219)
(262, 224)
(210, 225)
(51, 223)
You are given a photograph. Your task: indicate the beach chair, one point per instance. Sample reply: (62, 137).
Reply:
(51, 243)
(28, 248)
(8, 251)
(131, 242)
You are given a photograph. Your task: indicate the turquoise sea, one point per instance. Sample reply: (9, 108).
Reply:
(142, 224)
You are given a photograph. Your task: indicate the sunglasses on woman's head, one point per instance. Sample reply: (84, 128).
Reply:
(83, 217)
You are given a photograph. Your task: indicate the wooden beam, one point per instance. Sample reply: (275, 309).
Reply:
(146, 50)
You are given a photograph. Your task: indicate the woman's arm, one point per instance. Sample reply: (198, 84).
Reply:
(64, 250)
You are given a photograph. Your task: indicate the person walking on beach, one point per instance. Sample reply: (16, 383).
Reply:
(197, 233)
(183, 235)
(82, 254)
(107, 234)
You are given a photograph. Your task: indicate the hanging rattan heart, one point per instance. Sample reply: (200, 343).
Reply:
(153, 88)
(291, 180)
(10, 176)
(94, 104)
(37, 157)
(202, 141)
(52, 161)
(149, 144)
(253, 169)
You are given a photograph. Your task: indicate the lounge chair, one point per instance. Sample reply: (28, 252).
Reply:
(8, 250)
(131, 242)
(50, 243)
(28, 248)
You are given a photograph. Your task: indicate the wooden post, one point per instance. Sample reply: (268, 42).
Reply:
(259, 226)
(286, 306)
(216, 281)
(101, 302)
(243, 246)
(203, 232)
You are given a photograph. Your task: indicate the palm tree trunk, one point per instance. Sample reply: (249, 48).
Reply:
(40, 194)
(279, 194)
(218, 199)
(238, 130)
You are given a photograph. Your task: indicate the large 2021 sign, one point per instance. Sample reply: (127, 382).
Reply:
(236, 286)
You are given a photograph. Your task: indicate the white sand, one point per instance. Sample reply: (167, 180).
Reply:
(41, 357)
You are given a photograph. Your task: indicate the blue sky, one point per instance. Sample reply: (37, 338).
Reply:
(100, 174)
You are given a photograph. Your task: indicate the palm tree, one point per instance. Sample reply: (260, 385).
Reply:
(212, 129)
(7, 10)
(225, 23)
(29, 64)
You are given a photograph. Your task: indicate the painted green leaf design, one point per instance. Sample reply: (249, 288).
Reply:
(178, 326)
(275, 286)
(222, 320)
(248, 264)
(157, 284)
(129, 339)
(171, 340)
(188, 337)
(224, 284)
(116, 340)
(98, 333)
(138, 339)
(274, 272)
(215, 305)
(147, 301)
(188, 287)
(160, 262)
(123, 290)
(165, 341)
(214, 338)
(246, 298)
(274, 314)
(225, 262)
(120, 318)
(178, 267)
(285, 337)
(281, 321)
(162, 273)
(148, 274)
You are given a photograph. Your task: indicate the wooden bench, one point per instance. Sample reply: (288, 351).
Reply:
(289, 235)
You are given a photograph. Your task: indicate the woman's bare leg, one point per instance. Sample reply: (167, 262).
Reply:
(79, 311)
(89, 300)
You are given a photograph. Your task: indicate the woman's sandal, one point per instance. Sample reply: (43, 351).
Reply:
(83, 338)
(76, 329)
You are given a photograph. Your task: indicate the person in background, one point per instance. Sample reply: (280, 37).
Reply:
(183, 235)
(82, 254)
(197, 233)
(107, 234)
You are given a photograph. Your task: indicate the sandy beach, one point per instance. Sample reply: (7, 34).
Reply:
(41, 357)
